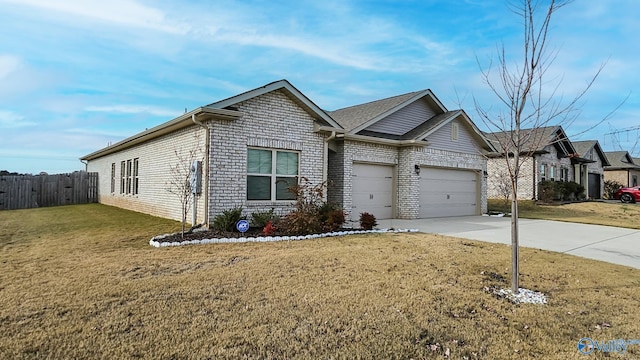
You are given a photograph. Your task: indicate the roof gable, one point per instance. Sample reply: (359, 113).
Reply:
(621, 160)
(366, 116)
(583, 148)
(436, 123)
(455, 132)
(288, 89)
(533, 140)
(406, 118)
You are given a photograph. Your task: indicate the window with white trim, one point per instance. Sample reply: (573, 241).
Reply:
(123, 177)
(135, 176)
(113, 177)
(543, 172)
(270, 173)
(129, 168)
(564, 174)
(552, 172)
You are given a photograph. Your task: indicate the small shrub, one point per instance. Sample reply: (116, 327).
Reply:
(306, 217)
(260, 219)
(367, 221)
(333, 220)
(610, 188)
(547, 191)
(311, 214)
(559, 191)
(269, 229)
(300, 223)
(227, 220)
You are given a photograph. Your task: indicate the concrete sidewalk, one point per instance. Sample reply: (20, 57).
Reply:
(605, 243)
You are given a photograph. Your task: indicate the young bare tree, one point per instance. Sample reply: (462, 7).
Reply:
(527, 102)
(180, 173)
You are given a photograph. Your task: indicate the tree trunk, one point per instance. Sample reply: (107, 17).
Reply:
(515, 247)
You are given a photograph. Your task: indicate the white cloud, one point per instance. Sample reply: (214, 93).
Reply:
(11, 120)
(118, 12)
(134, 109)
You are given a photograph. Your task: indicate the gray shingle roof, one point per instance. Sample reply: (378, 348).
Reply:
(534, 139)
(583, 147)
(354, 116)
(619, 160)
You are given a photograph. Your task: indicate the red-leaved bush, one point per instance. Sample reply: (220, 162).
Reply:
(269, 229)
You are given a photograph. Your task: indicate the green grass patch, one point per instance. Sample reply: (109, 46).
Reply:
(82, 282)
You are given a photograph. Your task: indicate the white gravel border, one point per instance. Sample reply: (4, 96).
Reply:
(524, 296)
(156, 241)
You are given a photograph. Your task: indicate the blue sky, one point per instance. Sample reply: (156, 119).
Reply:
(76, 75)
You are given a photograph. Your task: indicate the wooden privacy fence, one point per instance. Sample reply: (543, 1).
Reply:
(31, 191)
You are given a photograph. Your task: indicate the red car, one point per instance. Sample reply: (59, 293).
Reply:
(628, 194)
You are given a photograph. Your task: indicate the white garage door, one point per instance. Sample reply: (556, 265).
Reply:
(447, 192)
(372, 190)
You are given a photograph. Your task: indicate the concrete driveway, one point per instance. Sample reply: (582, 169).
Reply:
(605, 243)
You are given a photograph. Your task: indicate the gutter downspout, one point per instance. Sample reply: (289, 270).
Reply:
(206, 174)
(86, 165)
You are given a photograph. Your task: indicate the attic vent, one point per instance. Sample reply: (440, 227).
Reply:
(454, 131)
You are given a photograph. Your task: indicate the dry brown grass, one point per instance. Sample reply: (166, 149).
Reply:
(591, 212)
(82, 282)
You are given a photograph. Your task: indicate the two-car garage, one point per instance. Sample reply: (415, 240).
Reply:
(443, 191)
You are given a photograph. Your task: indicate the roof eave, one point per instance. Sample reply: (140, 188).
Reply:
(182, 121)
(382, 141)
(319, 128)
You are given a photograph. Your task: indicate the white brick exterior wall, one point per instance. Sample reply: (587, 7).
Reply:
(499, 178)
(271, 121)
(155, 159)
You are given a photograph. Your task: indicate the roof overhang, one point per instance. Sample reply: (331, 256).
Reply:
(382, 141)
(328, 129)
(512, 154)
(580, 160)
(182, 121)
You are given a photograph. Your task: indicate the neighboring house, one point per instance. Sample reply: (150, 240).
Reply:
(405, 157)
(546, 155)
(591, 170)
(624, 169)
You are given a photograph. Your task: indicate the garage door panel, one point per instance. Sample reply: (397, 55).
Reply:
(373, 190)
(448, 192)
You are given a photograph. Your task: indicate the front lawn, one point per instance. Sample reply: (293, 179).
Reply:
(589, 212)
(82, 282)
